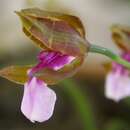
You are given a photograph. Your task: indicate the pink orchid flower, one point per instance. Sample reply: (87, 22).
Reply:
(60, 37)
(117, 84)
(118, 81)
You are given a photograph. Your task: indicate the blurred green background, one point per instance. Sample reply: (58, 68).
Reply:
(81, 103)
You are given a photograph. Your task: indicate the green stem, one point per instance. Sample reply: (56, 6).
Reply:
(108, 53)
(81, 103)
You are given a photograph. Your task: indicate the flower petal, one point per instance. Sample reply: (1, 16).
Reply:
(60, 62)
(52, 60)
(38, 101)
(117, 86)
(54, 31)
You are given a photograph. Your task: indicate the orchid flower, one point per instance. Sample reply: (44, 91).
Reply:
(118, 78)
(63, 52)
(62, 40)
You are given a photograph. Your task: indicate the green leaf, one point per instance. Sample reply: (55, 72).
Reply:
(81, 103)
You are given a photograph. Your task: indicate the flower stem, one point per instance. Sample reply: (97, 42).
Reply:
(108, 53)
(81, 103)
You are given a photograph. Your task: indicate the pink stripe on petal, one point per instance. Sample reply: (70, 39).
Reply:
(38, 101)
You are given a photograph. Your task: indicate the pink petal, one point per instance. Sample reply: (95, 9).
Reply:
(53, 60)
(38, 101)
(117, 86)
(60, 62)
